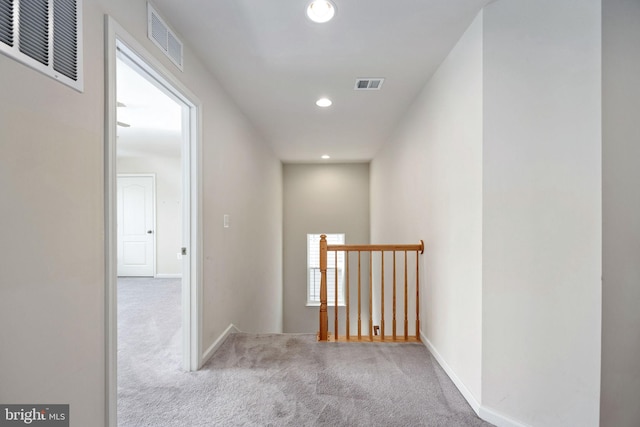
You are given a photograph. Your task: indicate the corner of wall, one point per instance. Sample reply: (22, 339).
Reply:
(208, 354)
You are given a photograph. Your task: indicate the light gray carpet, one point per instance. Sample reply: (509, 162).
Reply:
(283, 380)
(149, 343)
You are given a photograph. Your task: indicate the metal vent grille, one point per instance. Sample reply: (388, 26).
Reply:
(45, 35)
(158, 31)
(65, 38)
(163, 37)
(174, 49)
(369, 84)
(34, 30)
(6, 22)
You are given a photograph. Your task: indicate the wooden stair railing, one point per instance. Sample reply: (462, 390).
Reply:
(323, 334)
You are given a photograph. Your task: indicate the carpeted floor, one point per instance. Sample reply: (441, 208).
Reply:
(275, 380)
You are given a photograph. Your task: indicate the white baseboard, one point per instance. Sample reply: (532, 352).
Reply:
(487, 414)
(499, 420)
(466, 393)
(231, 329)
(168, 276)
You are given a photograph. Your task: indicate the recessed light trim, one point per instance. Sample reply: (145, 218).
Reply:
(324, 102)
(321, 11)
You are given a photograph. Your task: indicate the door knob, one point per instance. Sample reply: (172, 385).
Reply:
(150, 232)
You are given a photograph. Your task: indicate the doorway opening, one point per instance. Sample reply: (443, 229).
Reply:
(149, 241)
(152, 209)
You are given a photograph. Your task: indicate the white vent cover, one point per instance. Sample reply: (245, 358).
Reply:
(45, 35)
(369, 84)
(163, 37)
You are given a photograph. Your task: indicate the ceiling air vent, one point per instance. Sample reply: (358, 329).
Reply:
(369, 84)
(163, 37)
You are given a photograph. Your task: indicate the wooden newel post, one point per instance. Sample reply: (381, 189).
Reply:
(324, 320)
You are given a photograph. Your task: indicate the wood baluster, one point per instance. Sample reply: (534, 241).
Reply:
(335, 299)
(348, 316)
(324, 321)
(382, 297)
(359, 300)
(370, 295)
(418, 295)
(394, 295)
(406, 283)
(323, 333)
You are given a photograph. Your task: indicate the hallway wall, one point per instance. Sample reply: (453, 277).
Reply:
(320, 198)
(497, 166)
(52, 291)
(426, 183)
(621, 211)
(542, 230)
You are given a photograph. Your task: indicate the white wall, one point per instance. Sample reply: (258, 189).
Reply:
(542, 211)
(426, 183)
(168, 172)
(52, 257)
(243, 263)
(621, 214)
(498, 167)
(321, 198)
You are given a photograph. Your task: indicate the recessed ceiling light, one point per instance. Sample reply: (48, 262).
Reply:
(321, 11)
(324, 102)
(326, 156)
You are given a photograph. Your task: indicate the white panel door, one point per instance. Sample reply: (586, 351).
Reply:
(136, 219)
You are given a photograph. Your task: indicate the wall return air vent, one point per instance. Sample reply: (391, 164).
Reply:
(45, 35)
(369, 84)
(163, 37)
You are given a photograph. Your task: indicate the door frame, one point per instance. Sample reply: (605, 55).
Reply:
(153, 213)
(117, 38)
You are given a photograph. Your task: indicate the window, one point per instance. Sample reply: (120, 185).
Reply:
(313, 270)
(46, 35)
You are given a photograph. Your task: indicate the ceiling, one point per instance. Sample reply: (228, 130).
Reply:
(275, 63)
(154, 119)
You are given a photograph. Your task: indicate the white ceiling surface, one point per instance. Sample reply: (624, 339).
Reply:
(275, 63)
(154, 117)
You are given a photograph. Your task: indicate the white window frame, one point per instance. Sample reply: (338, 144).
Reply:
(313, 270)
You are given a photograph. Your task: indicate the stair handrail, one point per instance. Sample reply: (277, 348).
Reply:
(323, 334)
